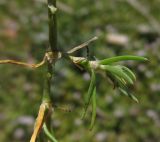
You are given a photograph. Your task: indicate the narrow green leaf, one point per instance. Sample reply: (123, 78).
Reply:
(94, 105)
(122, 86)
(129, 73)
(126, 93)
(117, 81)
(119, 72)
(90, 92)
(112, 79)
(48, 134)
(133, 98)
(123, 91)
(122, 58)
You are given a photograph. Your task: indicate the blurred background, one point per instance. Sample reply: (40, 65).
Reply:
(123, 27)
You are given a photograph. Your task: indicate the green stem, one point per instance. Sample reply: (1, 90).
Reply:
(47, 84)
(52, 25)
(47, 97)
(48, 134)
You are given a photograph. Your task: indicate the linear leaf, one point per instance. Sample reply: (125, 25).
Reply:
(133, 98)
(123, 91)
(48, 133)
(90, 92)
(129, 73)
(94, 105)
(119, 72)
(122, 58)
(126, 93)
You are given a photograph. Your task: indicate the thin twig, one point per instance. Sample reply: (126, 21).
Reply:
(22, 63)
(83, 45)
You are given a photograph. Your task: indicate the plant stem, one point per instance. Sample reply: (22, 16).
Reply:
(52, 25)
(53, 46)
(49, 61)
(47, 84)
(47, 97)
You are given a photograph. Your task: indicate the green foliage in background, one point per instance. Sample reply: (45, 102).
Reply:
(24, 36)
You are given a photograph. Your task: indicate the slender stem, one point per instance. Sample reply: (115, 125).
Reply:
(52, 25)
(53, 45)
(49, 135)
(47, 84)
(47, 97)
